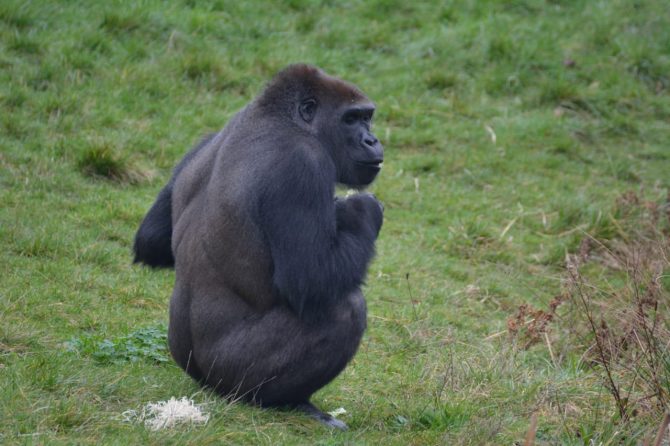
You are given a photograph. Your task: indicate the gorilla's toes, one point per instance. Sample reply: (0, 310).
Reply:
(335, 423)
(311, 410)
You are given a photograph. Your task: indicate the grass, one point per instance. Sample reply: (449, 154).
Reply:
(511, 130)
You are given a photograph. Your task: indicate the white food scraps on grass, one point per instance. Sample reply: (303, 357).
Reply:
(336, 412)
(167, 414)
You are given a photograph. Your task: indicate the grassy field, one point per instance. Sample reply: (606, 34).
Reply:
(522, 270)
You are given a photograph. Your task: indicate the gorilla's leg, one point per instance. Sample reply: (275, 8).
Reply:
(277, 360)
(179, 333)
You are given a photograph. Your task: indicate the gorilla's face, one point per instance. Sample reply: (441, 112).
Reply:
(345, 132)
(361, 152)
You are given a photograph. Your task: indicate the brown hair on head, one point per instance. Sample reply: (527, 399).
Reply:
(301, 81)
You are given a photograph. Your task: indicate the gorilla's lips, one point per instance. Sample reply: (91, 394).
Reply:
(367, 170)
(375, 165)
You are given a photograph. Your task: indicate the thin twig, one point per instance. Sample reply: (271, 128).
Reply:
(530, 436)
(551, 352)
(507, 228)
(411, 299)
(662, 429)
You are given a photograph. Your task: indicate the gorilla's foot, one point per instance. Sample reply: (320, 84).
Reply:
(311, 410)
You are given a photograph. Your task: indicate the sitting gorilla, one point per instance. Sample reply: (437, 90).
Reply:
(267, 305)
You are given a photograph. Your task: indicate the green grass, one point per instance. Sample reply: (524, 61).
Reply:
(510, 128)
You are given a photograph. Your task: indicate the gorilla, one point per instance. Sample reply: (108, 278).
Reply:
(154, 237)
(267, 304)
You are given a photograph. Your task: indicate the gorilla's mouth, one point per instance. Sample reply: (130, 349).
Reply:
(374, 164)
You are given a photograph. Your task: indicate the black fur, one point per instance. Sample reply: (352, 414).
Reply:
(267, 305)
(153, 239)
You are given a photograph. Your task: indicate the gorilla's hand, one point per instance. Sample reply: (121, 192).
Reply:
(360, 212)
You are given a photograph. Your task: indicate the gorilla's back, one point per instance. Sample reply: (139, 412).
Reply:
(214, 200)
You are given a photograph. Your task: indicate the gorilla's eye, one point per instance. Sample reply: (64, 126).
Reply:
(307, 109)
(350, 118)
(356, 115)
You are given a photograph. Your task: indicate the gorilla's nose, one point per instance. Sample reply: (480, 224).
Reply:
(370, 141)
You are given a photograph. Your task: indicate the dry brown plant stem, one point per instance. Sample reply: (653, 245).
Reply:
(530, 436)
(662, 429)
(576, 279)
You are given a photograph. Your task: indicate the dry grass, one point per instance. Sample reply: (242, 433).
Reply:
(614, 309)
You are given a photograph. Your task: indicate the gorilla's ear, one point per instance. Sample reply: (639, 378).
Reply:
(307, 109)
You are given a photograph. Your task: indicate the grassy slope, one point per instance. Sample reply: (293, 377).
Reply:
(479, 225)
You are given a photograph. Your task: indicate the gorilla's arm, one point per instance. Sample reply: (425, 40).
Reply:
(153, 239)
(320, 247)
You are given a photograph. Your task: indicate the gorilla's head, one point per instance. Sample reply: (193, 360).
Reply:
(337, 113)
